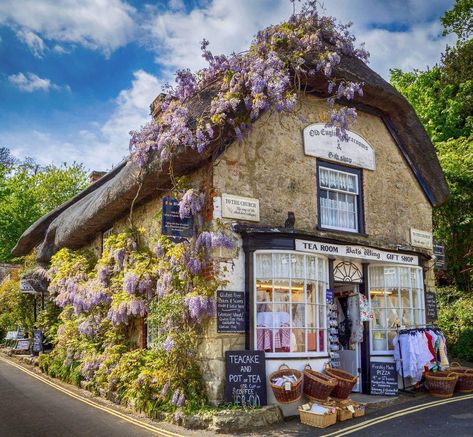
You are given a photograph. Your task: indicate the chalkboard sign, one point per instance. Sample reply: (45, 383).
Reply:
(22, 345)
(245, 378)
(37, 341)
(172, 223)
(383, 379)
(430, 306)
(230, 311)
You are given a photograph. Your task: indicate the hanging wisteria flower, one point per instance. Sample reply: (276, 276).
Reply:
(191, 204)
(130, 282)
(168, 344)
(219, 239)
(175, 397)
(165, 389)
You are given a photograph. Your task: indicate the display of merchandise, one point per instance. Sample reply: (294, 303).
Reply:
(333, 336)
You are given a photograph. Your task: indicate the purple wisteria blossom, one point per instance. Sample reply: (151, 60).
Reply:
(165, 389)
(200, 307)
(119, 257)
(104, 275)
(130, 282)
(168, 344)
(191, 203)
(219, 239)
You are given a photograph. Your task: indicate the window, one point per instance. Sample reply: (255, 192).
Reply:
(289, 303)
(339, 198)
(397, 299)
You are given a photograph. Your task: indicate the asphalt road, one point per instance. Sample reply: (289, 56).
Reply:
(29, 407)
(429, 417)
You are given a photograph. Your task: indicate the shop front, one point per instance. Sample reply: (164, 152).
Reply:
(322, 303)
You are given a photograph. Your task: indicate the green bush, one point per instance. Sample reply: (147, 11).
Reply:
(456, 321)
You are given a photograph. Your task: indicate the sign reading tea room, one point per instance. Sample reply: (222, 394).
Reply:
(322, 142)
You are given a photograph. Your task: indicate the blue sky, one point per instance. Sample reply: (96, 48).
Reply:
(77, 75)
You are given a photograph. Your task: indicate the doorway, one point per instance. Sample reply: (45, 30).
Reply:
(350, 329)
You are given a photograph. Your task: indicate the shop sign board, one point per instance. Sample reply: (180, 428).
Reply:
(26, 287)
(231, 311)
(329, 296)
(172, 224)
(240, 208)
(22, 345)
(322, 142)
(430, 306)
(383, 379)
(421, 238)
(245, 378)
(37, 345)
(11, 335)
(359, 252)
(440, 256)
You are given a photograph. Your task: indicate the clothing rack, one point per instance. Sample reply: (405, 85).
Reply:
(410, 390)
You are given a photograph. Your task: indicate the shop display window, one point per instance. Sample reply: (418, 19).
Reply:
(396, 299)
(339, 198)
(290, 304)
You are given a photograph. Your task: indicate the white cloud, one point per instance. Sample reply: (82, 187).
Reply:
(33, 41)
(97, 24)
(398, 33)
(31, 82)
(101, 145)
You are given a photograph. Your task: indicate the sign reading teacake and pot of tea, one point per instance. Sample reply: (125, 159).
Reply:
(245, 378)
(231, 311)
(322, 142)
(173, 225)
(240, 208)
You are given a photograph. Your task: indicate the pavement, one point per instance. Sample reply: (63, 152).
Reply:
(34, 405)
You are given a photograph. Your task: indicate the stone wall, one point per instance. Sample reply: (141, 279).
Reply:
(270, 165)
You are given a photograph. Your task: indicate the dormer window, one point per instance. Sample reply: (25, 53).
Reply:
(339, 198)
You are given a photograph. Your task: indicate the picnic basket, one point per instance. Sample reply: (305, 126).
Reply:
(345, 382)
(292, 392)
(317, 386)
(441, 384)
(317, 420)
(465, 378)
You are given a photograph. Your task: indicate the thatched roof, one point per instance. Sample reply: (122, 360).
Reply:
(76, 222)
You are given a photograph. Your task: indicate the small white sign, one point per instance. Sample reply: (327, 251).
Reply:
(240, 208)
(26, 287)
(359, 252)
(322, 142)
(421, 238)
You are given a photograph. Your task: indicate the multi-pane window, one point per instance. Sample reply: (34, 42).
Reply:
(339, 193)
(290, 303)
(397, 300)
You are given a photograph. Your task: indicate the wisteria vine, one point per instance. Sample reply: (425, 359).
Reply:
(268, 75)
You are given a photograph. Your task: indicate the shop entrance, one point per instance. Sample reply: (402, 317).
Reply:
(349, 329)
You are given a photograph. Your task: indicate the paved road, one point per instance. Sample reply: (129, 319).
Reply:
(29, 407)
(454, 418)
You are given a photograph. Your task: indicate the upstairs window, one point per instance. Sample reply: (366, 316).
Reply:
(339, 197)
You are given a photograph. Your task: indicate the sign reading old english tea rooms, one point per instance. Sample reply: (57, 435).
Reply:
(322, 142)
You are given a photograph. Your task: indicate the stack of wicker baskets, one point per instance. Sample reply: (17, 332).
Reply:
(465, 378)
(441, 384)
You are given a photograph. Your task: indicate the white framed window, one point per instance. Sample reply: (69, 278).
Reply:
(339, 198)
(290, 311)
(396, 299)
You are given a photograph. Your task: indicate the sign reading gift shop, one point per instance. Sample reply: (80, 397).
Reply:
(360, 252)
(245, 378)
(240, 208)
(322, 142)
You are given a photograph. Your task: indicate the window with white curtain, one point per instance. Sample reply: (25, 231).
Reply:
(290, 303)
(397, 300)
(339, 193)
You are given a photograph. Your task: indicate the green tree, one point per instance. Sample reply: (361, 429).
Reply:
(443, 99)
(28, 191)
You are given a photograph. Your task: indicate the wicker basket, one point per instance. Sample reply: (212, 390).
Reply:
(441, 384)
(317, 420)
(360, 410)
(465, 378)
(317, 386)
(343, 415)
(345, 382)
(281, 393)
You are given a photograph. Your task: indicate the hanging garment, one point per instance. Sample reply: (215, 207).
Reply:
(366, 314)
(354, 316)
(344, 327)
